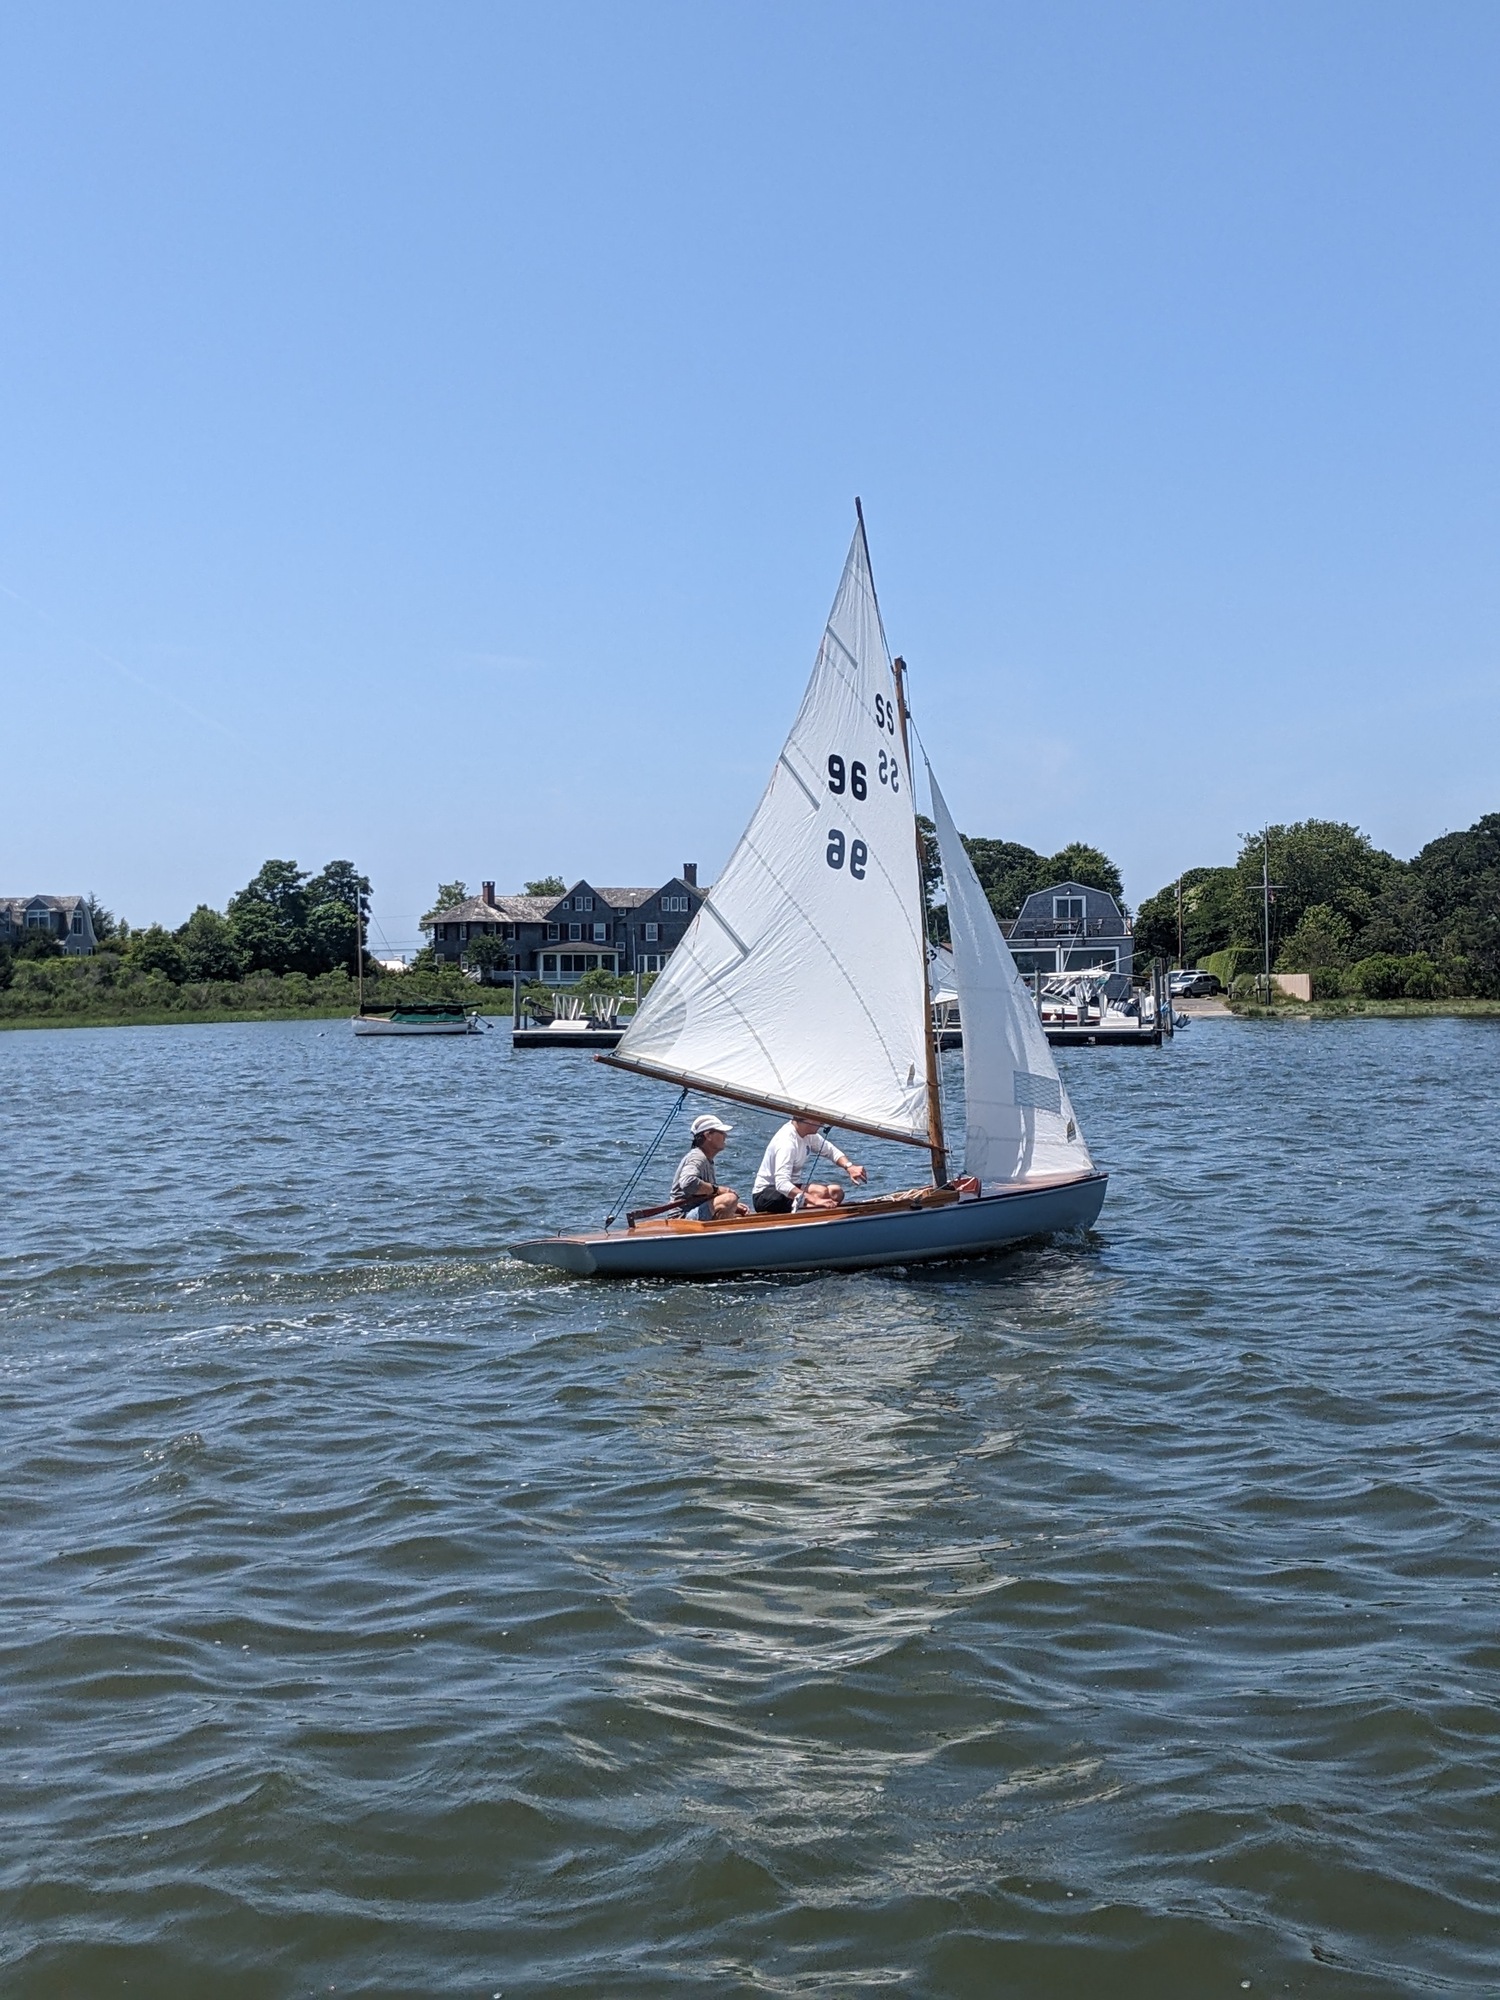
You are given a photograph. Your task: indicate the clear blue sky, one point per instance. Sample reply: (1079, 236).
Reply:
(430, 432)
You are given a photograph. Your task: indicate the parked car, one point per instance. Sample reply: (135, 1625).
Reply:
(1192, 985)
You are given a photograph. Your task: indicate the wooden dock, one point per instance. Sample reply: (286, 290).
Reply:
(566, 1035)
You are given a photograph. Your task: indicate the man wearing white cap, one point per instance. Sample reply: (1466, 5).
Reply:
(695, 1193)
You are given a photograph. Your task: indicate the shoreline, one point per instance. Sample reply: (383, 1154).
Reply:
(182, 1018)
(1352, 1010)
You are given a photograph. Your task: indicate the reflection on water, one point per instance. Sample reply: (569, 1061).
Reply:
(383, 1615)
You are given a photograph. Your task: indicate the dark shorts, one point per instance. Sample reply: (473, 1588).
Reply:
(769, 1202)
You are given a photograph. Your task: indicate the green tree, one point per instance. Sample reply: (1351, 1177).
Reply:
(448, 893)
(1208, 911)
(39, 943)
(340, 882)
(1079, 862)
(489, 956)
(1318, 861)
(1322, 940)
(1446, 903)
(932, 881)
(598, 981)
(156, 950)
(269, 916)
(546, 885)
(208, 946)
(338, 886)
(1007, 871)
(330, 937)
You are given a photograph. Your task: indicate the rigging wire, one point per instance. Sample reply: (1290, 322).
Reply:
(634, 1182)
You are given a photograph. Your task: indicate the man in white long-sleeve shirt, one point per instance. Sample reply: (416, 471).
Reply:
(782, 1183)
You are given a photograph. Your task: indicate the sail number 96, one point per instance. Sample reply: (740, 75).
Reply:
(854, 777)
(858, 853)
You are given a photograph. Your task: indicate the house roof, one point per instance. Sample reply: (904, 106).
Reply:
(547, 909)
(17, 906)
(1070, 889)
(632, 899)
(504, 910)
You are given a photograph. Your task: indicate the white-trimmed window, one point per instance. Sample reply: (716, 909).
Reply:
(601, 932)
(583, 902)
(651, 932)
(1067, 909)
(575, 933)
(674, 905)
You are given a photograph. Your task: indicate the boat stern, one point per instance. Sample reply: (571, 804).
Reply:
(561, 1253)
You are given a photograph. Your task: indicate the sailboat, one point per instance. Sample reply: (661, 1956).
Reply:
(802, 986)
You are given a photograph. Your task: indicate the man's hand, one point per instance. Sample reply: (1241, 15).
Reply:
(855, 1173)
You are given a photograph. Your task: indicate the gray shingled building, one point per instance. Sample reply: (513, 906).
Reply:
(64, 917)
(557, 939)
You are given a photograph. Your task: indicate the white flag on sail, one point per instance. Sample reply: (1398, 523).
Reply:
(1019, 1122)
(799, 982)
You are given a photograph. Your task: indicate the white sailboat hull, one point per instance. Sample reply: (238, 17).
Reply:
(374, 1025)
(850, 1239)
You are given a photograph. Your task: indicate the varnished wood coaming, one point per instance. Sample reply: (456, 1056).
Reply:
(925, 1198)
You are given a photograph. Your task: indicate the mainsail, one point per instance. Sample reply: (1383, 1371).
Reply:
(799, 984)
(1019, 1122)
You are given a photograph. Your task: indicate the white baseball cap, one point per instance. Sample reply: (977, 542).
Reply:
(708, 1123)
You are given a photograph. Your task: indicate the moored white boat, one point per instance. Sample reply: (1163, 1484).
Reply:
(802, 986)
(418, 1019)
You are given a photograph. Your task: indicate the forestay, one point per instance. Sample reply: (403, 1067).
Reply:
(1019, 1122)
(799, 982)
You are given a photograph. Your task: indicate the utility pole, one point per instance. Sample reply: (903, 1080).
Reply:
(1179, 920)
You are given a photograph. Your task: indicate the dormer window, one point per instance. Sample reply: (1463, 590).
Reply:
(1067, 909)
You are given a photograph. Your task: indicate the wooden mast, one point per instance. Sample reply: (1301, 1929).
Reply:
(935, 1142)
(929, 1039)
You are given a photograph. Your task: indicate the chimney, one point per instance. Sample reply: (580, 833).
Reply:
(489, 894)
(690, 873)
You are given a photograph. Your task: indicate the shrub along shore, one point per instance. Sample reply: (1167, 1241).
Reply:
(1284, 1008)
(107, 992)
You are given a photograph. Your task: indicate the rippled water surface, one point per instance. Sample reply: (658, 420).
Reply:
(382, 1616)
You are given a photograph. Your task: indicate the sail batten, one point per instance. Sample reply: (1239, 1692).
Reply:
(799, 983)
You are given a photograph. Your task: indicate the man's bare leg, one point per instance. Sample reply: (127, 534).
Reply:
(824, 1194)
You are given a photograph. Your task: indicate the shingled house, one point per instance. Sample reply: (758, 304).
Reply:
(1071, 928)
(557, 939)
(64, 917)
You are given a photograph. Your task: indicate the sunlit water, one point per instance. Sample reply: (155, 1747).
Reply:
(382, 1616)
